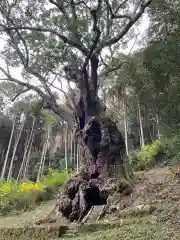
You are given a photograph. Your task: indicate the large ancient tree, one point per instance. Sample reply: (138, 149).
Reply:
(54, 40)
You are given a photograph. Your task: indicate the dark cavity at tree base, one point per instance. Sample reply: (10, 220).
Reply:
(79, 195)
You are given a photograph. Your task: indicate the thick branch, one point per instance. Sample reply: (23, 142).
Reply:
(73, 9)
(24, 84)
(72, 43)
(125, 29)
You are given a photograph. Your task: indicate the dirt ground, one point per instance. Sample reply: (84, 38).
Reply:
(157, 188)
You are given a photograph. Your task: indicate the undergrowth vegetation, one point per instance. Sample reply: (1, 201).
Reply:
(24, 195)
(161, 152)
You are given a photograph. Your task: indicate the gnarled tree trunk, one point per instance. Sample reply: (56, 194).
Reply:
(102, 146)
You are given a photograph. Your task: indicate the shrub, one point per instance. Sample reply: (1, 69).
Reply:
(160, 152)
(24, 195)
(148, 156)
(55, 177)
(141, 160)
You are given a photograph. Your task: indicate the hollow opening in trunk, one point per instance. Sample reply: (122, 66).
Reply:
(94, 197)
(82, 121)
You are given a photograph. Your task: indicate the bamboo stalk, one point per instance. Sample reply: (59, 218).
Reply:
(77, 159)
(7, 153)
(43, 157)
(24, 156)
(66, 158)
(46, 147)
(28, 158)
(71, 149)
(26, 150)
(157, 121)
(14, 152)
(125, 125)
(141, 126)
(41, 161)
(74, 154)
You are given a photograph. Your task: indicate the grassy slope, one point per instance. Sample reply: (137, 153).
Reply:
(157, 188)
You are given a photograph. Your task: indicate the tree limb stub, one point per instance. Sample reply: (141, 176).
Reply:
(125, 29)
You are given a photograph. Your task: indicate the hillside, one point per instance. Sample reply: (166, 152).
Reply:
(151, 212)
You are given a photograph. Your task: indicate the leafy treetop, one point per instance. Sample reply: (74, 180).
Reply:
(44, 36)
